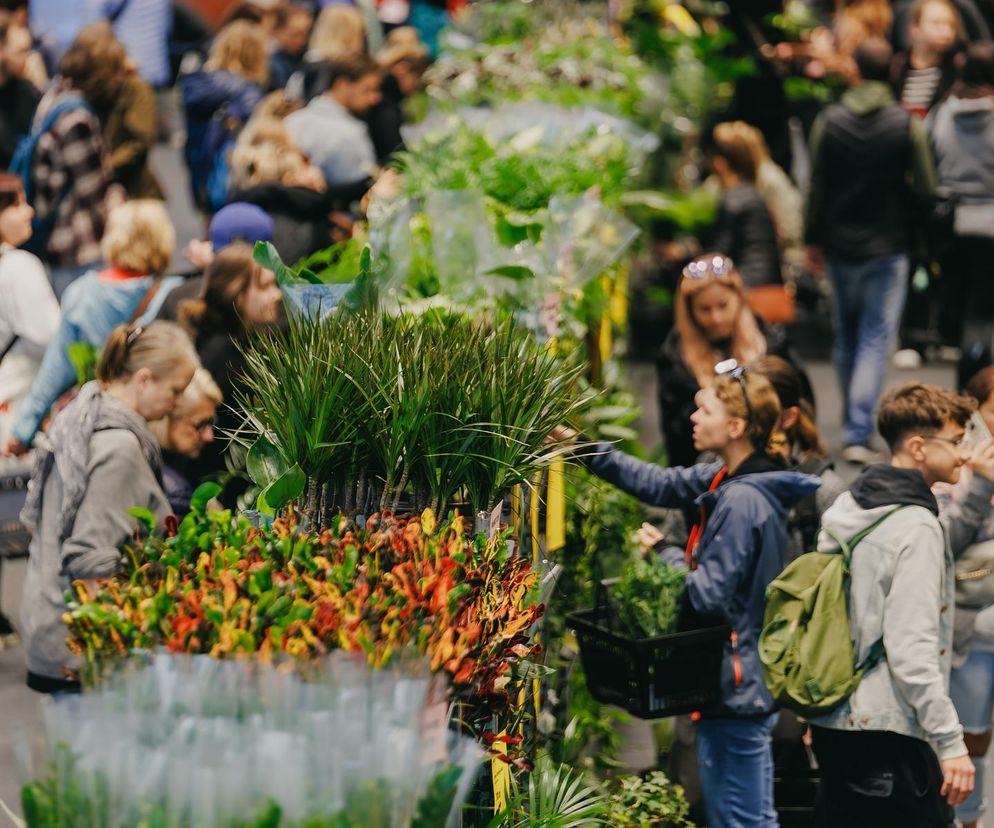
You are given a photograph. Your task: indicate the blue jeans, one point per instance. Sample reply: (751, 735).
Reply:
(735, 760)
(972, 690)
(869, 300)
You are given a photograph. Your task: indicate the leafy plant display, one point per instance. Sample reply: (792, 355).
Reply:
(649, 802)
(421, 410)
(174, 742)
(222, 587)
(647, 598)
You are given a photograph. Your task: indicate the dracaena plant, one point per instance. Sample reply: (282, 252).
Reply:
(376, 411)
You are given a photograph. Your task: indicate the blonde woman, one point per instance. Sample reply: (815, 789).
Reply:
(183, 435)
(340, 34)
(138, 244)
(713, 324)
(219, 98)
(100, 460)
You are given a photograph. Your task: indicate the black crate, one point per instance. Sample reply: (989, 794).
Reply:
(653, 677)
(14, 535)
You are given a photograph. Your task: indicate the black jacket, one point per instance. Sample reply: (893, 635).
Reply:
(385, 120)
(872, 178)
(744, 231)
(18, 101)
(678, 387)
(300, 215)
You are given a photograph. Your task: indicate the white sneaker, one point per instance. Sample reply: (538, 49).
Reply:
(861, 455)
(907, 359)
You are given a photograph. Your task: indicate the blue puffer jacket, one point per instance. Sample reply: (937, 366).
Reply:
(741, 550)
(216, 105)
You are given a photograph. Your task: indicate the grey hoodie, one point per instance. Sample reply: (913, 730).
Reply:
(118, 477)
(902, 590)
(962, 132)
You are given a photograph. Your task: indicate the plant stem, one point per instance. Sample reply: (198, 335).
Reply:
(400, 487)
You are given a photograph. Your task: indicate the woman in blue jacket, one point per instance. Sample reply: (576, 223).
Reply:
(138, 244)
(734, 552)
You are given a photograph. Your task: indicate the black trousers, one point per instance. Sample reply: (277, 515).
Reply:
(875, 779)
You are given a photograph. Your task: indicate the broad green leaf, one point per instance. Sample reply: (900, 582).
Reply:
(517, 272)
(83, 357)
(265, 463)
(204, 494)
(282, 490)
(144, 516)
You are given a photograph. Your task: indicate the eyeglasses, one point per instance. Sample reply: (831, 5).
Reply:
(705, 266)
(958, 444)
(200, 425)
(730, 368)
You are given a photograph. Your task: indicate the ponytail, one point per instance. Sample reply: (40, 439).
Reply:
(161, 347)
(805, 433)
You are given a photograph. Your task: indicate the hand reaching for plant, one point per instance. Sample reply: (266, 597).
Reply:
(563, 434)
(648, 536)
(982, 459)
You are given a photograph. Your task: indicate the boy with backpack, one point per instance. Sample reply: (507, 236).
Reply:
(892, 753)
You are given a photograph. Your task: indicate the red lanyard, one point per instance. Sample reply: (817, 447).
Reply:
(698, 528)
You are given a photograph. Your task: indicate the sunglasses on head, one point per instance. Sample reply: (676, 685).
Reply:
(731, 369)
(707, 266)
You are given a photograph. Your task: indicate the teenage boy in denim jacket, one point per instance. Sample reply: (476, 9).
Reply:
(893, 753)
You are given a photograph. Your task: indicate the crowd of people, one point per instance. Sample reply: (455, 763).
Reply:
(117, 373)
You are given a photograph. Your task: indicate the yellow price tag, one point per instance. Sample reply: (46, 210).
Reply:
(555, 507)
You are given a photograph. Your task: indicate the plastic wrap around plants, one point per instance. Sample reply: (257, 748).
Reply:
(315, 301)
(525, 125)
(462, 240)
(583, 238)
(197, 741)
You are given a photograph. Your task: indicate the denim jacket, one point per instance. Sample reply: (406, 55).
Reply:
(91, 308)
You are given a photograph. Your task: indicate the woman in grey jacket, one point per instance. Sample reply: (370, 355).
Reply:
(962, 133)
(101, 459)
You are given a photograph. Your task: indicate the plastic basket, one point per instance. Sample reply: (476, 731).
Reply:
(651, 678)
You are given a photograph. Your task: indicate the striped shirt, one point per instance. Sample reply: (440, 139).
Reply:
(919, 89)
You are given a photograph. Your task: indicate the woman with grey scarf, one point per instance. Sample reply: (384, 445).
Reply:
(98, 461)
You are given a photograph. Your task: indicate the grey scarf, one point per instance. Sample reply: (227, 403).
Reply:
(69, 438)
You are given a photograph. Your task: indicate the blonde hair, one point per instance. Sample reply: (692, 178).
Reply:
(339, 32)
(139, 236)
(748, 137)
(860, 20)
(202, 388)
(240, 48)
(735, 142)
(762, 411)
(162, 348)
(276, 105)
(263, 153)
(262, 162)
(403, 44)
(748, 342)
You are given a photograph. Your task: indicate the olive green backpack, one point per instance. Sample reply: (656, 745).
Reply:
(806, 647)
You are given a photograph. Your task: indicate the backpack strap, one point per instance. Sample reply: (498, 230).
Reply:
(69, 103)
(877, 652)
(846, 547)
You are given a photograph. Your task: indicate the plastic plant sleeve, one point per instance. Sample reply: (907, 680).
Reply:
(584, 238)
(315, 301)
(199, 741)
(462, 239)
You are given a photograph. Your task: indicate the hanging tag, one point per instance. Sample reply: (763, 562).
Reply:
(495, 520)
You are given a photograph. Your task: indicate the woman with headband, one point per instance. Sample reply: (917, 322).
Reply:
(713, 324)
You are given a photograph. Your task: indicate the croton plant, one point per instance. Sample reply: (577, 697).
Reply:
(216, 584)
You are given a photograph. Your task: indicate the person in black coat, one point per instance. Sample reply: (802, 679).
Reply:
(183, 435)
(404, 60)
(744, 230)
(238, 295)
(713, 324)
(18, 97)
